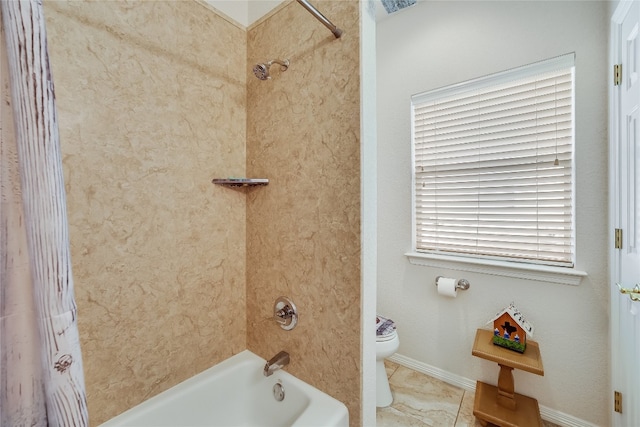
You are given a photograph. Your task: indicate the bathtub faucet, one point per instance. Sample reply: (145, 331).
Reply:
(278, 361)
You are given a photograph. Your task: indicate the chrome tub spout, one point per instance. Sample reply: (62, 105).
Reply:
(278, 361)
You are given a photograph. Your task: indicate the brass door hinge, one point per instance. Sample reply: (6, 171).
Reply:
(618, 238)
(617, 74)
(617, 401)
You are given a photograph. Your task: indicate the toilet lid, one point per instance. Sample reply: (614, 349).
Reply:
(387, 337)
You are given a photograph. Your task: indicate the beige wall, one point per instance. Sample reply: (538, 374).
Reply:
(152, 106)
(303, 229)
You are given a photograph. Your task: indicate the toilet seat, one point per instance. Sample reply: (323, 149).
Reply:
(387, 337)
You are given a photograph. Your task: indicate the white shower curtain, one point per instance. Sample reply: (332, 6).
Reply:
(41, 376)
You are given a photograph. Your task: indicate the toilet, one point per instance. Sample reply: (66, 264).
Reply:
(386, 345)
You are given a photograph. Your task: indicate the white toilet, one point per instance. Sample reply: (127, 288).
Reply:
(386, 345)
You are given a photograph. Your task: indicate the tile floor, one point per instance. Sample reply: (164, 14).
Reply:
(420, 401)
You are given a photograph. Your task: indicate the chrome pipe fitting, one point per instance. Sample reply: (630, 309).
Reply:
(278, 361)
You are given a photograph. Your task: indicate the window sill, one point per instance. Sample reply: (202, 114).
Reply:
(541, 273)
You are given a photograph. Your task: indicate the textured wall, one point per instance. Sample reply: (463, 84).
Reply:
(435, 44)
(303, 229)
(152, 105)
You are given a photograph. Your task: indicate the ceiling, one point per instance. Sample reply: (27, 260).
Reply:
(245, 12)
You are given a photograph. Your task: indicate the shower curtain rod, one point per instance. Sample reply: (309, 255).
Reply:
(320, 17)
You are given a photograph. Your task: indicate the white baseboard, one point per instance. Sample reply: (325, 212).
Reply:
(547, 414)
(434, 372)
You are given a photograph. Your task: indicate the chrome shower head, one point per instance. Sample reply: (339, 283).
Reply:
(262, 70)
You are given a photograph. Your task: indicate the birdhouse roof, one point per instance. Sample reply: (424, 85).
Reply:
(517, 316)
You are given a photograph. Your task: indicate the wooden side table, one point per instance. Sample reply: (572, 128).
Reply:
(501, 405)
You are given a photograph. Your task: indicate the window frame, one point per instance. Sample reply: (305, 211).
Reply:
(531, 269)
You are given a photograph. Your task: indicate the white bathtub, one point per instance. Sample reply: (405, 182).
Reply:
(233, 393)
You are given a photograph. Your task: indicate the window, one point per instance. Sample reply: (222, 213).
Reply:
(493, 166)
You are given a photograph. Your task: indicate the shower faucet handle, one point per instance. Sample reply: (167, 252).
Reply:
(285, 313)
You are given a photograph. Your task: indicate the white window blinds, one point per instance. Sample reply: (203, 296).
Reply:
(486, 179)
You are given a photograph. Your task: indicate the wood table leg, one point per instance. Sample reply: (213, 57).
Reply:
(506, 388)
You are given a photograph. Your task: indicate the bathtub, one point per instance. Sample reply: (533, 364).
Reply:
(233, 393)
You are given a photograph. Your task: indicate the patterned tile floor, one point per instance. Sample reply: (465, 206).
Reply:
(420, 401)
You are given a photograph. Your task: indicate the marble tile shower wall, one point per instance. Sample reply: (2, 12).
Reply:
(303, 229)
(152, 105)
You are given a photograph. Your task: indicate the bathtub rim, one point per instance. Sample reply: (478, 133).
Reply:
(315, 411)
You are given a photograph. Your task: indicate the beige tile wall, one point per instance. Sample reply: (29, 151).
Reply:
(152, 106)
(303, 229)
(152, 99)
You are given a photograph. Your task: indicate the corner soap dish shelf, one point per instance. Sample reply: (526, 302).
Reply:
(240, 182)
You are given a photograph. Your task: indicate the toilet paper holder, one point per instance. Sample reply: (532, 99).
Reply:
(461, 284)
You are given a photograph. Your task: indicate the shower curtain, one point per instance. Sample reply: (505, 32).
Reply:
(41, 377)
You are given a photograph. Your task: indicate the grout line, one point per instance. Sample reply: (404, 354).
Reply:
(455, 423)
(409, 414)
(394, 369)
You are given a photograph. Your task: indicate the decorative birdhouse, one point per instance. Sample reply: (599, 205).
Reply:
(510, 329)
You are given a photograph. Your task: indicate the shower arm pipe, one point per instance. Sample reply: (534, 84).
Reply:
(320, 17)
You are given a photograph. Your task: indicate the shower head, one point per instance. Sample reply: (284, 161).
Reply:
(262, 70)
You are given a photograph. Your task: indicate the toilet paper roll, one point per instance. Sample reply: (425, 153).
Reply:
(447, 286)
